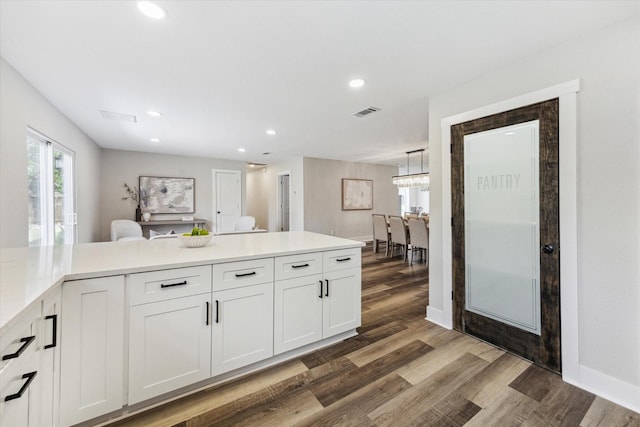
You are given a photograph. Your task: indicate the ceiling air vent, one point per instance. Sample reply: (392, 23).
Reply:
(366, 111)
(118, 116)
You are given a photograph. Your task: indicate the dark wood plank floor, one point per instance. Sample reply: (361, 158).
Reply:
(400, 370)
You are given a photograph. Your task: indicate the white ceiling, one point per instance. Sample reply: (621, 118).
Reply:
(222, 72)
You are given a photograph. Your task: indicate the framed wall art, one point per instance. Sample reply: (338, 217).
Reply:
(357, 194)
(166, 195)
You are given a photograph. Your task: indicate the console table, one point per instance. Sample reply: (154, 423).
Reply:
(146, 225)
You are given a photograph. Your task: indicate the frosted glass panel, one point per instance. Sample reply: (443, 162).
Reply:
(502, 225)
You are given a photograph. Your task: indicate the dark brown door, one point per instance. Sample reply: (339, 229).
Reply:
(507, 299)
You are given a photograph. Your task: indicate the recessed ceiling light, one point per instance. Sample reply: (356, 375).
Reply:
(242, 150)
(271, 132)
(154, 139)
(151, 9)
(356, 83)
(154, 113)
(509, 133)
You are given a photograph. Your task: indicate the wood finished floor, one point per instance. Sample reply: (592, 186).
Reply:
(399, 371)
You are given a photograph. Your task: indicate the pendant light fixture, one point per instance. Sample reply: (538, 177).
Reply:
(416, 179)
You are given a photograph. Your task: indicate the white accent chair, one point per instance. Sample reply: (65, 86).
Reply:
(244, 223)
(419, 233)
(124, 229)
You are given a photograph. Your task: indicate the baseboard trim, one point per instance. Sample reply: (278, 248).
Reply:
(436, 316)
(607, 387)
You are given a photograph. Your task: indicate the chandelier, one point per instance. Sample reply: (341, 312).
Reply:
(413, 179)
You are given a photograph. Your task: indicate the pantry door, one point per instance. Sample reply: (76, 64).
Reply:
(506, 255)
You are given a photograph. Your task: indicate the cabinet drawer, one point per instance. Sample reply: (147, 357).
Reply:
(242, 273)
(167, 284)
(21, 339)
(289, 267)
(341, 259)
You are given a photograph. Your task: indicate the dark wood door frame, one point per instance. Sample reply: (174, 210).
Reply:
(545, 349)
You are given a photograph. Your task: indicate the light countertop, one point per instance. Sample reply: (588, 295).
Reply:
(28, 274)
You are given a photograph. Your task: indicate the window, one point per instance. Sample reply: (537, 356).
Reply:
(51, 210)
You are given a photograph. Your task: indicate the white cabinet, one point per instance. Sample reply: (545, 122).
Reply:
(169, 330)
(50, 359)
(92, 345)
(311, 307)
(298, 310)
(242, 314)
(19, 376)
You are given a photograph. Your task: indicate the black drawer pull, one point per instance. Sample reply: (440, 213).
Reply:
(25, 343)
(253, 273)
(207, 308)
(327, 293)
(320, 288)
(29, 377)
(171, 285)
(300, 266)
(343, 259)
(54, 331)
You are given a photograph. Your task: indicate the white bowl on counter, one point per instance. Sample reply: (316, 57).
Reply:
(195, 241)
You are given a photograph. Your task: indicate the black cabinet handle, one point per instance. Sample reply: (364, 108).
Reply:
(54, 331)
(327, 293)
(217, 312)
(29, 377)
(320, 288)
(171, 285)
(207, 308)
(25, 343)
(300, 266)
(343, 259)
(253, 273)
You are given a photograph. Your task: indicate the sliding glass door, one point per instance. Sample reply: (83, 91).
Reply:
(51, 194)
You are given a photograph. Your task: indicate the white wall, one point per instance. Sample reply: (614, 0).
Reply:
(608, 191)
(323, 204)
(119, 167)
(258, 196)
(21, 105)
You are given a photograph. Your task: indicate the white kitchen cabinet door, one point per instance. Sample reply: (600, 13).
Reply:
(92, 348)
(50, 359)
(298, 312)
(341, 302)
(242, 326)
(169, 345)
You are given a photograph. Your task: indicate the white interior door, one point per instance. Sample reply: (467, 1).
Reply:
(283, 202)
(228, 198)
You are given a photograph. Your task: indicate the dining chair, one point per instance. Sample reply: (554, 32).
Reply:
(125, 229)
(399, 235)
(380, 232)
(419, 233)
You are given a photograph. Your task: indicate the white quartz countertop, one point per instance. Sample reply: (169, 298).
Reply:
(28, 274)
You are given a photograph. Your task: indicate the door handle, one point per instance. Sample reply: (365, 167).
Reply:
(320, 296)
(25, 343)
(54, 328)
(29, 377)
(548, 249)
(327, 293)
